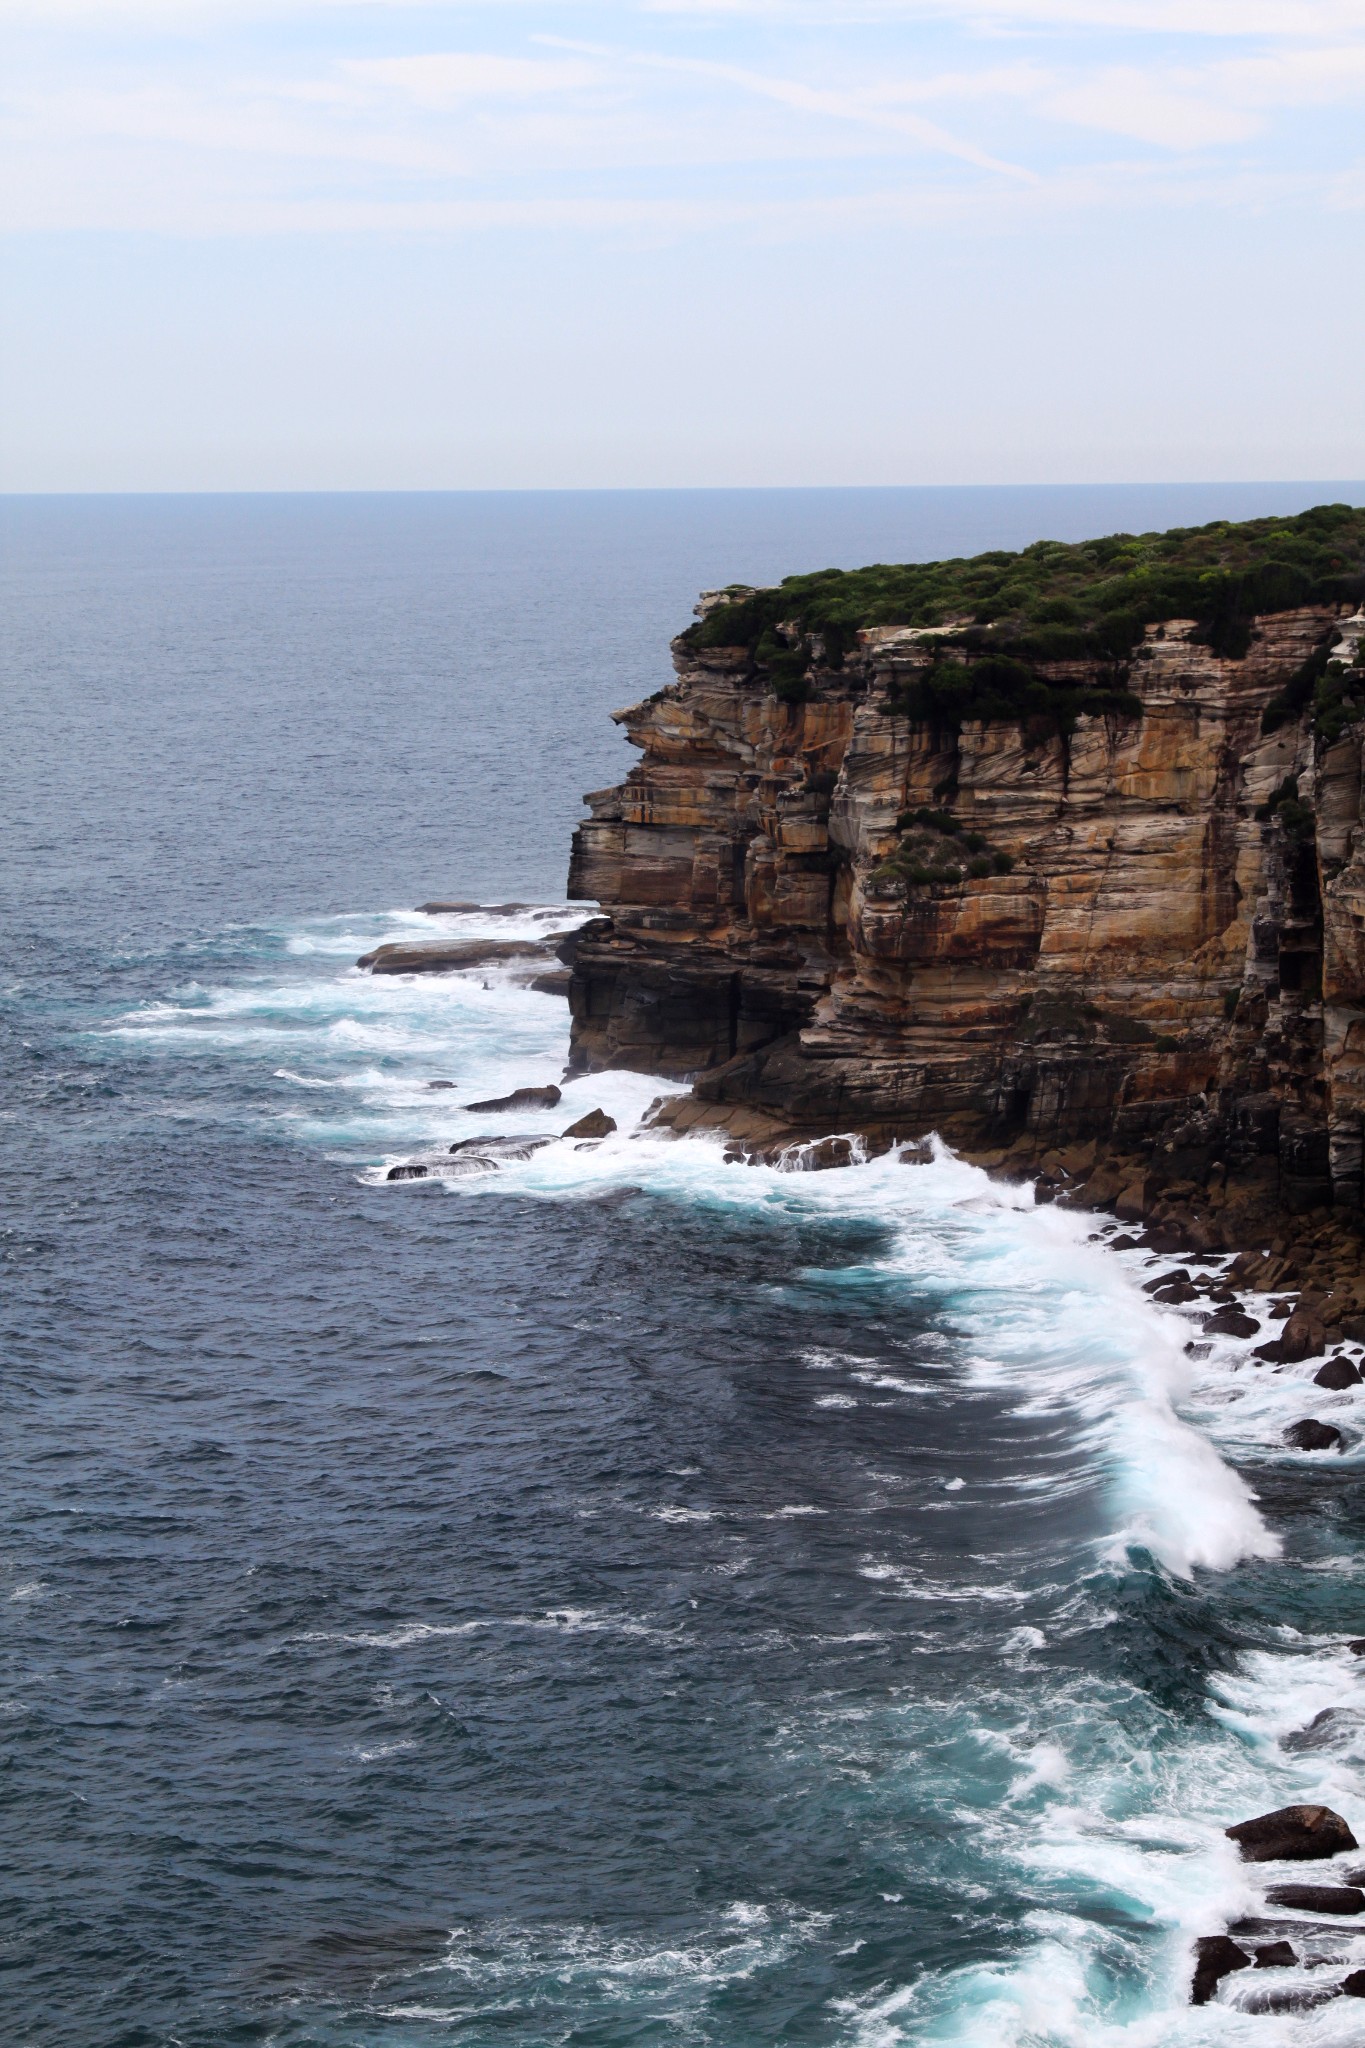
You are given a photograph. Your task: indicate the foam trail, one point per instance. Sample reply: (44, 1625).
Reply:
(1049, 1314)
(1105, 1799)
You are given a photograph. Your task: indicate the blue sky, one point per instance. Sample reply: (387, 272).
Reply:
(330, 243)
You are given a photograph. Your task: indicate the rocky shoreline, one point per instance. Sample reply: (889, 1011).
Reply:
(1108, 939)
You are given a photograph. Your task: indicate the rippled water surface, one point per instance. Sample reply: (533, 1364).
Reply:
(614, 1599)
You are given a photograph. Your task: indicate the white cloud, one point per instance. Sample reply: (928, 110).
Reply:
(1125, 102)
(679, 124)
(451, 78)
(1296, 19)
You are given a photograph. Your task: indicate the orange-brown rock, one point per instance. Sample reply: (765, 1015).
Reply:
(1167, 967)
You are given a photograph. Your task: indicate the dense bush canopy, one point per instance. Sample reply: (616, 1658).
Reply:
(1052, 602)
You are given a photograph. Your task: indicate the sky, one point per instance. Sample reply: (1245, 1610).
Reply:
(404, 244)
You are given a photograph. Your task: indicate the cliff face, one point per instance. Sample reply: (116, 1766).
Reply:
(1151, 946)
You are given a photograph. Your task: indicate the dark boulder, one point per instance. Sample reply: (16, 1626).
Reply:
(1354, 1985)
(404, 959)
(1357, 1648)
(1176, 1293)
(1312, 1435)
(442, 1084)
(1165, 1280)
(1215, 1956)
(1292, 1834)
(1303, 1337)
(825, 1153)
(408, 1173)
(1353, 1329)
(596, 1124)
(1337, 1374)
(1231, 1322)
(1318, 1898)
(1276, 1955)
(520, 1098)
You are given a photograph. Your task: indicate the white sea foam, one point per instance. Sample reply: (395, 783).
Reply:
(1026, 1311)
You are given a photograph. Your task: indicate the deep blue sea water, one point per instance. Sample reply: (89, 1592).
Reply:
(621, 1599)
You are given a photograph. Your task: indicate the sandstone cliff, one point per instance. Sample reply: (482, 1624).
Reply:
(1142, 927)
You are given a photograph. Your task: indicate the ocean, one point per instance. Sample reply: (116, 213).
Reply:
(623, 1598)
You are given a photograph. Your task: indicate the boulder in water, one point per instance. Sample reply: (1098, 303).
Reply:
(1215, 1956)
(596, 1124)
(1354, 1985)
(1317, 1734)
(1231, 1322)
(1318, 1898)
(494, 1148)
(404, 959)
(408, 1173)
(520, 1098)
(1337, 1374)
(821, 1156)
(488, 909)
(1312, 1435)
(1292, 1834)
(1276, 1955)
(1303, 1337)
(1165, 1280)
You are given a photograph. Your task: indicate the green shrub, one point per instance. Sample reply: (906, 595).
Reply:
(934, 848)
(1054, 602)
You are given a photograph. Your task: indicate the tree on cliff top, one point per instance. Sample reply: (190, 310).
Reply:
(1056, 601)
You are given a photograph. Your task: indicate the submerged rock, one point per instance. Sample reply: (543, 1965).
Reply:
(1318, 1898)
(1317, 1734)
(500, 1148)
(1312, 1435)
(408, 1173)
(488, 909)
(1215, 1956)
(1292, 1834)
(520, 1098)
(596, 1124)
(1287, 1998)
(404, 959)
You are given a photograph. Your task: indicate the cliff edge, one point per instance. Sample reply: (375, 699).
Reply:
(1013, 850)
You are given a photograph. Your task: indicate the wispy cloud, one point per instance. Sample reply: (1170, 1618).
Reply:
(361, 114)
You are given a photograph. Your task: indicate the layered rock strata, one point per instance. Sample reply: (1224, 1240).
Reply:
(1155, 955)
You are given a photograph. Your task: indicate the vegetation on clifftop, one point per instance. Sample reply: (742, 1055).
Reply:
(1010, 615)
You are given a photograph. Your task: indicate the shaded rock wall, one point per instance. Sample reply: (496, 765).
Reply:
(1165, 968)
